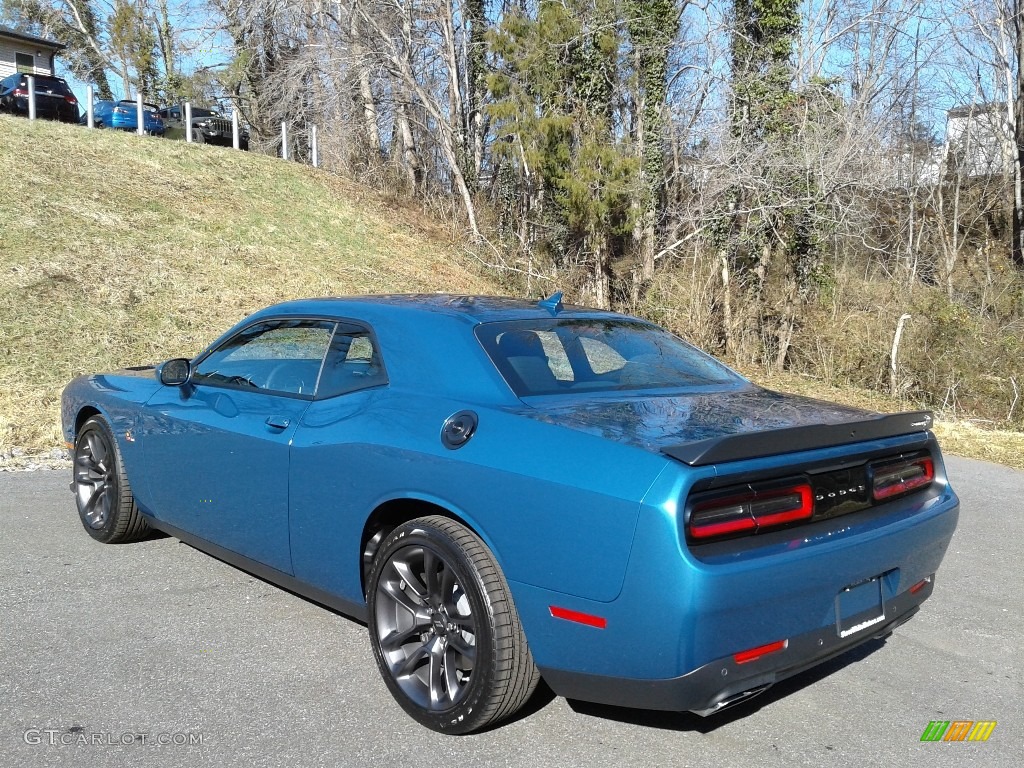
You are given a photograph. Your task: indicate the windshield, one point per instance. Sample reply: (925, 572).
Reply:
(547, 357)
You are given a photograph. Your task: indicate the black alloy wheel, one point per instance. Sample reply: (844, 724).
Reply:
(100, 484)
(444, 630)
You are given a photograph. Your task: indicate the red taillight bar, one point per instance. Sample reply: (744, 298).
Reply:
(889, 480)
(751, 511)
(753, 654)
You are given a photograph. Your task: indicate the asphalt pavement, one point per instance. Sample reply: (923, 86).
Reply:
(157, 654)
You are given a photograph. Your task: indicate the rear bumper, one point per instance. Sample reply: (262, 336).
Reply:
(723, 682)
(45, 110)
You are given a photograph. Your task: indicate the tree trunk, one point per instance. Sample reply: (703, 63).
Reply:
(410, 154)
(730, 341)
(366, 102)
(1017, 248)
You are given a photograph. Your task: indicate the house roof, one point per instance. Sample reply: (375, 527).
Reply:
(977, 109)
(41, 42)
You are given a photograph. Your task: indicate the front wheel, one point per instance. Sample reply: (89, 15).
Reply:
(444, 630)
(102, 493)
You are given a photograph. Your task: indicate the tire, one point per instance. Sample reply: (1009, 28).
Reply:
(102, 492)
(197, 136)
(449, 646)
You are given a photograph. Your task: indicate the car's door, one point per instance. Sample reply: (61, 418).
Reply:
(217, 449)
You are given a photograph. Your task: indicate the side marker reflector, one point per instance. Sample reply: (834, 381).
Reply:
(579, 618)
(752, 654)
(920, 585)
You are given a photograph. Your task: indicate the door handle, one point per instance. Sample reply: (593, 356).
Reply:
(278, 422)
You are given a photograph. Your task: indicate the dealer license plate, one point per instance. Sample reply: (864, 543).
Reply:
(859, 607)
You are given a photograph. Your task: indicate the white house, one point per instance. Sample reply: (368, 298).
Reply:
(978, 140)
(20, 52)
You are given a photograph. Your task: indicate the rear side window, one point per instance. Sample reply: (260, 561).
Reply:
(353, 363)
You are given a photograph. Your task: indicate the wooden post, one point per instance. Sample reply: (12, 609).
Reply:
(284, 140)
(188, 121)
(314, 148)
(893, 384)
(90, 116)
(140, 126)
(234, 129)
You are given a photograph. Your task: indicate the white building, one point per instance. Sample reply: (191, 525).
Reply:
(978, 140)
(20, 52)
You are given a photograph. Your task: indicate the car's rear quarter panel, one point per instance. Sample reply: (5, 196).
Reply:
(680, 607)
(556, 507)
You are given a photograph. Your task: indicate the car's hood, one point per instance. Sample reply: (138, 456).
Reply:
(655, 422)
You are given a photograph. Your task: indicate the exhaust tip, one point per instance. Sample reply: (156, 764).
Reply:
(731, 701)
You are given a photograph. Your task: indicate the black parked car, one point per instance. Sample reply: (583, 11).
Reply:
(54, 99)
(208, 126)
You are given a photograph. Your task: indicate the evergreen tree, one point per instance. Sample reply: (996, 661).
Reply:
(555, 91)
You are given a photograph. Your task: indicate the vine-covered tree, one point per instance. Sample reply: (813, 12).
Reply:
(653, 26)
(768, 232)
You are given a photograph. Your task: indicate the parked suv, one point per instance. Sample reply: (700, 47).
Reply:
(208, 126)
(54, 99)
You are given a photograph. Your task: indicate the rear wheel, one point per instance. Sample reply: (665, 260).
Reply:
(444, 630)
(102, 492)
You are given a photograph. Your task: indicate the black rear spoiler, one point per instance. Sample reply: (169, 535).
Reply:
(754, 445)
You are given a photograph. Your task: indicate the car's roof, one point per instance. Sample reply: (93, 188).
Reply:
(38, 77)
(475, 309)
(133, 102)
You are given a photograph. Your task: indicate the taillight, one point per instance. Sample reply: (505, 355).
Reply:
(751, 511)
(20, 92)
(896, 478)
(70, 99)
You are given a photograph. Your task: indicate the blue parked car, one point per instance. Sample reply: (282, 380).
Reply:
(123, 115)
(507, 491)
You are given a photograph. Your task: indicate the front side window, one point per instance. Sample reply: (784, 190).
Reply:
(282, 356)
(547, 357)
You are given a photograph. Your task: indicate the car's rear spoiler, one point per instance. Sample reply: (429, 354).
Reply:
(753, 445)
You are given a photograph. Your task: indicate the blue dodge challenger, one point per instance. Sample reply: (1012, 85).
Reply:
(506, 491)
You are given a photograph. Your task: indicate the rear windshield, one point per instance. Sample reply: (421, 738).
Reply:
(52, 84)
(547, 357)
(131, 103)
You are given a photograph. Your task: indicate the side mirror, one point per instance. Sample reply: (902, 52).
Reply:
(176, 372)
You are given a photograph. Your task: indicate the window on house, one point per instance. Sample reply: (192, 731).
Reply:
(25, 63)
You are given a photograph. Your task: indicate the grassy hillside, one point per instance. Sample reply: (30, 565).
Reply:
(118, 250)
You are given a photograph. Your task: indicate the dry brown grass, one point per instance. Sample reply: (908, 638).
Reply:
(961, 436)
(119, 250)
(116, 250)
